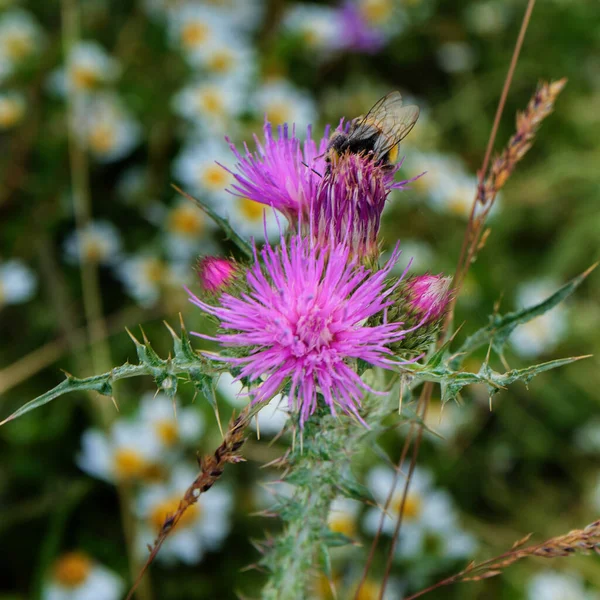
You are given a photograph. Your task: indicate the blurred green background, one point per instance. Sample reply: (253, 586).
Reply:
(103, 104)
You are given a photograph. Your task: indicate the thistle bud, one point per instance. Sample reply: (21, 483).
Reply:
(421, 303)
(216, 274)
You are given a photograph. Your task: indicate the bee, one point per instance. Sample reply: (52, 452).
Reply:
(378, 133)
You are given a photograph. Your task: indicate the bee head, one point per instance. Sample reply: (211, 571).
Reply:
(338, 143)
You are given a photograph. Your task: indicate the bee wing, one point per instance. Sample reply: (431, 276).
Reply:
(388, 118)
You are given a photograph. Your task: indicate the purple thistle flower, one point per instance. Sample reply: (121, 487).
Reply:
(304, 323)
(359, 35)
(280, 173)
(216, 273)
(428, 295)
(349, 202)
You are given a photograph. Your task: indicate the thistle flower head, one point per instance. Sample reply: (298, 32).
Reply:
(303, 324)
(428, 295)
(420, 303)
(216, 273)
(349, 202)
(283, 172)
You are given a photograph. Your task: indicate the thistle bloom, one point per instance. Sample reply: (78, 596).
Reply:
(349, 202)
(304, 323)
(283, 173)
(216, 273)
(428, 295)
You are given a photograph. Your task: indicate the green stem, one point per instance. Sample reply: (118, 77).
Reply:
(320, 470)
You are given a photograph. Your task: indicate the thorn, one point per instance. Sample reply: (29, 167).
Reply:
(171, 330)
(181, 323)
(590, 269)
(114, 401)
(133, 338)
(217, 416)
(257, 427)
(67, 374)
(146, 340)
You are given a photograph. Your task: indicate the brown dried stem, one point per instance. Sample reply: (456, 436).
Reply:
(490, 184)
(579, 540)
(211, 469)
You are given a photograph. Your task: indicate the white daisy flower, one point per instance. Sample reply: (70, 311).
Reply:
(12, 109)
(318, 26)
(386, 16)
(107, 128)
(203, 526)
(456, 57)
(343, 516)
(428, 512)
(196, 167)
(211, 104)
(228, 59)
(446, 182)
(89, 67)
(75, 576)
(550, 585)
(20, 38)
(542, 334)
(18, 282)
(282, 103)
(487, 18)
(130, 451)
(271, 418)
(186, 230)
(144, 276)
(455, 194)
(99, 242)
(183, 426)
(251, 219)
(193, 27)
(245, 15)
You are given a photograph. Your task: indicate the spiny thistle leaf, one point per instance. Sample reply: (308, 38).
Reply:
(164, 372)
(223, 223)
(500, 327)
(452, 382)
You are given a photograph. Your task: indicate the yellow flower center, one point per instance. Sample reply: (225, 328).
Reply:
(153, 270)
(186, 221)
(252, 210)
(459, 205)
(18, 46)
(83, 78)
(376, 11)
(210, 101)
(412, 506)
(167, 431)
(129, 464)
(102, 138)
(342, 523)
(278, 113)
(167, 508)
(221, 61)
(193, 34)
(93, 250)
(423, 184)
(11, 112)
(72, 569)
(214, 177)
